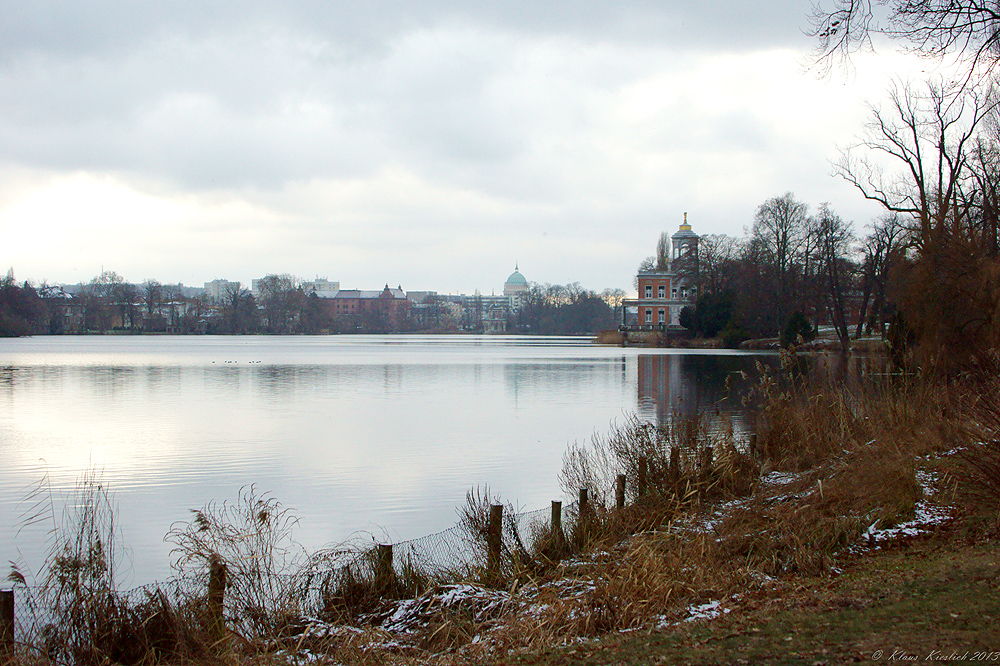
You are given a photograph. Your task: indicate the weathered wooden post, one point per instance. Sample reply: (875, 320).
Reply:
(494, 540)
(620, 491)
(643, 469)
(752, 445)
(383, 566)
(706, 461)
(6, 620)
(216, 592)
(556, 519)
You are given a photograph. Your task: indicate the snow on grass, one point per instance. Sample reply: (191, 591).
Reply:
(694, 613)
(412, 614)
(709, 611)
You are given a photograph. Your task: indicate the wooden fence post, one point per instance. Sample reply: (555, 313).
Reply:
(383, 566)
(216, 591)
(584, 504)
(556, 519)
(620, 491)
(494, 540)
(706, 461)
(6, 620)
(752, 446)
(643, 469)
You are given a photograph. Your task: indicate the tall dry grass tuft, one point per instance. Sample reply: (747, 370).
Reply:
(252, 538)
(353, 582)
(77, 613)
(668, 468)
(505, 555)
(655, 573)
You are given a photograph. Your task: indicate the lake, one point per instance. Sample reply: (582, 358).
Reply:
(379, 434)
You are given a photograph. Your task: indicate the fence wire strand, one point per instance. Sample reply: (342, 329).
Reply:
(448, 553)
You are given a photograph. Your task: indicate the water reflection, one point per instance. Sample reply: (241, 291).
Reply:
(688, 384)
(386, 434)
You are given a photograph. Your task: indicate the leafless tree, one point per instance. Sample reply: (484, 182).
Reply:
(879, 249)
(152, 295)
(239, 314)
(946, 288)
(834, 241)
(646, 265)
(282, 301)
(717, 255)
(985, 167)
(928, 135)
(968, 30)
(779, 232)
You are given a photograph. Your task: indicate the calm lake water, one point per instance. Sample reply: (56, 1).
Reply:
(383, 434)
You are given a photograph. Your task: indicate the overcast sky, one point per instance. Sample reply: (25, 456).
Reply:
(427, 144)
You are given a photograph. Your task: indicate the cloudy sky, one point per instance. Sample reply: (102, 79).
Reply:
(428, 144)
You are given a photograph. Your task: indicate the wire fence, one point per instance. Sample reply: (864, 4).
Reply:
(446, 555)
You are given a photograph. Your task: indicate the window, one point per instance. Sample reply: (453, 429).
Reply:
(649, 316)
(649, 291)
(673, 293)
(663, 316)
(661, 291)
(684, 292)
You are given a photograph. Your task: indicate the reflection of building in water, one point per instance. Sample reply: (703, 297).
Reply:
(661, 387)
(688, 383)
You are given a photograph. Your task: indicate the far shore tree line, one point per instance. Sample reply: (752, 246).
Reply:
(109, 303)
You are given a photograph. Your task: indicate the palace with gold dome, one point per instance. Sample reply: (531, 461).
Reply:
(663, 293)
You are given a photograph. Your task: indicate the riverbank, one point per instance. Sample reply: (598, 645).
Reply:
(683, 340)
(925, 599)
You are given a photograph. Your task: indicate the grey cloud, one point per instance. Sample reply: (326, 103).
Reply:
(234, 94)
(108, 26)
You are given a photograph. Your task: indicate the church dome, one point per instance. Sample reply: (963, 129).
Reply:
(516, 278)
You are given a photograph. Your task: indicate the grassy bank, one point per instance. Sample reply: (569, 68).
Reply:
(927, 597)
(846, 503)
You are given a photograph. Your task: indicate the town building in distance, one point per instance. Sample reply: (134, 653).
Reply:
(663, 293)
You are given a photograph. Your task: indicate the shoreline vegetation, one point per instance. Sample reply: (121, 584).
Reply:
(852, 514)
(684, 340)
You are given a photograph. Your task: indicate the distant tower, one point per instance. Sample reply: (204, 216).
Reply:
(685, 241)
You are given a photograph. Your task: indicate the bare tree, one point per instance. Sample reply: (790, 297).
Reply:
(282, 300)
(879, 249)
(985, 167)
(928, 135)
(239, 314)
(969, 30)
(946, 287)
(103, 296)
(152, 295)
(645, 266)
(779, 231)
(717, 255)
(834, 245)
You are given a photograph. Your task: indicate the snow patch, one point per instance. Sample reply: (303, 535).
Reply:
(708, 611)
